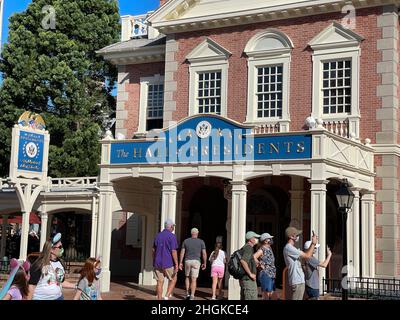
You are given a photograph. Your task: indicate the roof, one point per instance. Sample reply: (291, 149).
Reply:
(133, 45)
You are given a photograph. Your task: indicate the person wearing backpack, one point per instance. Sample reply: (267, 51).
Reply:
(248, 283)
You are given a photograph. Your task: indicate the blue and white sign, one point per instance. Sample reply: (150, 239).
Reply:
(30, 151)
(210, 140)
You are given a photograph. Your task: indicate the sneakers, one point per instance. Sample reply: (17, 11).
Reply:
(191, 298)
(187, 296)
(166, 298)
(213, 298)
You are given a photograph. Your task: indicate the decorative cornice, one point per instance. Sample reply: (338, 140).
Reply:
(170, 23)
(135, 55)
(387, 149)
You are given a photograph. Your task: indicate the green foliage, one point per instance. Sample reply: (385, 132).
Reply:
(56, 72)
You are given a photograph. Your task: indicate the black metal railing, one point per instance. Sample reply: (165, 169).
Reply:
(4, 266)
(365, 288)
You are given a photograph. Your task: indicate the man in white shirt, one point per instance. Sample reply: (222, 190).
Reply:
(292, 257)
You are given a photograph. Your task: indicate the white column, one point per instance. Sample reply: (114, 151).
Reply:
(318, 220)
(368, 234)
(4, 236)
(353, 238)
(100, 224)
(228, 197)
(93, 236)
(178, 221)
(43, 228)
(296, 206)
(106, 210)
(168, 202)
(149, 225)
(23, 248)
(238, 229)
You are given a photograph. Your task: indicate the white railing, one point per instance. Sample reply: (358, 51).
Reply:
(339, 127)
(72, 183)
(133, 27)
(266, 128)
(139, 26)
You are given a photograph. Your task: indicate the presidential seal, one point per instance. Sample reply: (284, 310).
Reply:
(203, 129)
(31, 150)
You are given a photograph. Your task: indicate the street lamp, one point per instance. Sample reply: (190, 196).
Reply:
(345, 199)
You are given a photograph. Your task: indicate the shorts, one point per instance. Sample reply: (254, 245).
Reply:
(267, 283)
(192, 268)
(312, 293)
(217, 271)
(159, 274)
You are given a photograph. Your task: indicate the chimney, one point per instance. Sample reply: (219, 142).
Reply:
(162, 2)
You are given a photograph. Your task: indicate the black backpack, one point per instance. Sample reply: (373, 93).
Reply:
(234, 266)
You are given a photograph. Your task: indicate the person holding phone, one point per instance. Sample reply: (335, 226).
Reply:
(311, 266)
(292, 257)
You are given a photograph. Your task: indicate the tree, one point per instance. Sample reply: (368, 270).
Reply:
(49, 66)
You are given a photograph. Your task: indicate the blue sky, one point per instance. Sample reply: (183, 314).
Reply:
(125, 7)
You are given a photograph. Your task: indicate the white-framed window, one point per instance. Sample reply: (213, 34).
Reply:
(208, 83)
(268, 79)
(336, 87)
(151, 103)
(336, 73)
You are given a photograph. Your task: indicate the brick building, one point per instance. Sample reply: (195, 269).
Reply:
(263, 67)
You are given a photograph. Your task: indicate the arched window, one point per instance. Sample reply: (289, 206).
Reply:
(268, 79)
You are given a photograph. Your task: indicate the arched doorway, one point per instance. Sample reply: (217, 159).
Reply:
(207, 211)
(268, 210)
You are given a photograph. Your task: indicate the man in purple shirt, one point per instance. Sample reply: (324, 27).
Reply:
(165, 259)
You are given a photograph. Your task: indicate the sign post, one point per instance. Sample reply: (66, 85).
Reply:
(28, 166)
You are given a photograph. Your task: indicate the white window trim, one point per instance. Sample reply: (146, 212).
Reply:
(321, 56)
(253, 63)
(207, 65)
(144, 92)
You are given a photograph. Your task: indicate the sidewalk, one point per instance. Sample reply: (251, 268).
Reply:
(122, 290)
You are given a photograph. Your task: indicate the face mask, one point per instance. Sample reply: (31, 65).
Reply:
(271, 242)
(255, 241)
(296, 239)
(97, 273)
(60, 252)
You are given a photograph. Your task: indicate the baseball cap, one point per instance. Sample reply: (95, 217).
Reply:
(56, 238)
(292, 231)
(251, 234)
(194, 230)
(307, 245)
(265, 236)
(169, 223)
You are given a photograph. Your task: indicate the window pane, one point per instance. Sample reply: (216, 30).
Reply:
(269, 91)
(336, 86)
(209, 92)
(155, 103)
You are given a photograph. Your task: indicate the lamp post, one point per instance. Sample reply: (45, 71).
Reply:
(345, 199)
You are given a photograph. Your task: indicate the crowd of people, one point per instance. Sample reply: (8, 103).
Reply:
(45, 278)
(257, 261)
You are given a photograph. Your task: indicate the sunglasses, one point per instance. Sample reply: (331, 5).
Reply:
(59, 247)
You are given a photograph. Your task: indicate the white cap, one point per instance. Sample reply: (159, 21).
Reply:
(307, 245)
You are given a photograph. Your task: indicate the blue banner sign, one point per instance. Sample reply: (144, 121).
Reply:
(30, 151)
(210, 140)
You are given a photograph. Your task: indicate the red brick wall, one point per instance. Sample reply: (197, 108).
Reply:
(162, 2)
(300, 31)
(137, 71)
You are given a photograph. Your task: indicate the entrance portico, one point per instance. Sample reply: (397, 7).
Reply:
(314, 157)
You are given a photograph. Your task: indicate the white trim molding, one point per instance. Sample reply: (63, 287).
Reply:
(208, 56)
(144, 90)
(268, 48)
(332, 44)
